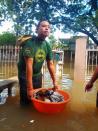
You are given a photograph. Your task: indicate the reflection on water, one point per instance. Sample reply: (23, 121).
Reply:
(65, 82)
(80, 113)
(8, 69)
(4, 95)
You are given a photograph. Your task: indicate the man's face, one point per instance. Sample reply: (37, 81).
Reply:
(43, 29)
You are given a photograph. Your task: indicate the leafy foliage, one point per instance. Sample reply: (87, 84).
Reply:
(72, 16)
(7, 38)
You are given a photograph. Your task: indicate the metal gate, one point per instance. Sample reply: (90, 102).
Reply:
(8, 61)
(91, 61)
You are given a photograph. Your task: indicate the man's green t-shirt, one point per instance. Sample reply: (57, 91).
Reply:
(37, 49)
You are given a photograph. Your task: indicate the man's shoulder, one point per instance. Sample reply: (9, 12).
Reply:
(24, 39)
(48, 44)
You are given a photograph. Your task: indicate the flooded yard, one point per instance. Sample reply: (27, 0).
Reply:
(80, 114)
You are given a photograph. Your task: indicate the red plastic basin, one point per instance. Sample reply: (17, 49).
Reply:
(51, 107)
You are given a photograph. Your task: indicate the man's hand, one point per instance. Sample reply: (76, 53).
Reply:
(88, 87)
(30, 93)
(56, 87)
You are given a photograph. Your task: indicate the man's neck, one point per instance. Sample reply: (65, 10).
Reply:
(41, 38)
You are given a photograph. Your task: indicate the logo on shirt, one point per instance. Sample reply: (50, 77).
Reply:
(40, 55)
(27, 52)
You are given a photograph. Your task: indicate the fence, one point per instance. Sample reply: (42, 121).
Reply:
(9, 53)
(91, 60)
(9, 56)
(8, 61)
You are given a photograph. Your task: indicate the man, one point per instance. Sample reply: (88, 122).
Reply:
(32, 55)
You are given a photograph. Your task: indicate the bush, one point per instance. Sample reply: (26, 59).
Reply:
(7, 38)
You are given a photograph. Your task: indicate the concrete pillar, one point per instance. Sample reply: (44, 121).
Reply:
(80, 59)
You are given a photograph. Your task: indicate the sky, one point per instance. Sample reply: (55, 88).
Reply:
(59, 34)
(7, 26)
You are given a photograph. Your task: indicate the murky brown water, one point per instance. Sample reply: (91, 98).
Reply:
(80, 113)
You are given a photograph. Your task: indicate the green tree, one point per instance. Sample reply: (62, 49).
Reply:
(7, 38)
(72, 16)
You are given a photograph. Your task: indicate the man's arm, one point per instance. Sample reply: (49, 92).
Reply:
(92, 80)
(29, 74)
(51, 69)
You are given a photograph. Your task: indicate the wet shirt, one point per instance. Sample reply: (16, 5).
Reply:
(37, 49)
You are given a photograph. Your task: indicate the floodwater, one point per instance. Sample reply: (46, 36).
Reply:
(80, 113)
